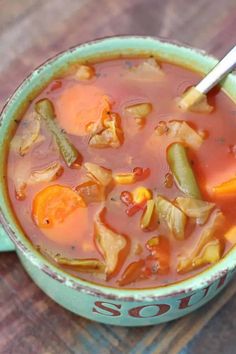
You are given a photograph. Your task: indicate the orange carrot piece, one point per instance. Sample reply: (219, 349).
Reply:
(52, 205)
(230, 235)
(79, 106)
(226, 188)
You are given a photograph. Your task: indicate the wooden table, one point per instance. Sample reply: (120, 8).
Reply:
(30, 32)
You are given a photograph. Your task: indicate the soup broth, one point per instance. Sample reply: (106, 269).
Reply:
(114, 183)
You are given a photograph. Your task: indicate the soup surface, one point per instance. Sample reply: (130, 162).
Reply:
(116, 184)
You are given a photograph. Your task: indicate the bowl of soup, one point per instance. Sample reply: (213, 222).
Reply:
(119, 202)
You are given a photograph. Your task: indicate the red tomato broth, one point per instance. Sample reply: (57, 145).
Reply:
(141, 148)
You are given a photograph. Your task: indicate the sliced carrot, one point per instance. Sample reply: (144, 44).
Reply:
(52, 205)
(231, 235)
(79, 106)
(72, 231)
(226, 188)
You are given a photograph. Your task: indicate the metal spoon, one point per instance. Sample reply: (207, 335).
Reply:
(220, 70)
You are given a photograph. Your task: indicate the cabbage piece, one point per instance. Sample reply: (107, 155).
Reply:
(195, 208)
(28, 134)
(214, 225)
(194, 101)
(81, 265)
(181, 132)
(209, 254)
(46, 174)
(148, 70)
(110, 135)
(173, 216)
(139, 110)
(132, 273)
(84, 72)
(113, 246)
(98, 173)
(19, 172)
(23, 177)
(91, 192)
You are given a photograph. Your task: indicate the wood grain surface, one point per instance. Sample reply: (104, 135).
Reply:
(30, 32)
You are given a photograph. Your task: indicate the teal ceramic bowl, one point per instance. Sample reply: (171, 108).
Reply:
(104, 304)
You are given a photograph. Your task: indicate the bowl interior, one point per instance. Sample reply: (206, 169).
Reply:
(97, 50)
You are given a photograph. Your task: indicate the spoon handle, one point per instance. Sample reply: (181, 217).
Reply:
(226, 65)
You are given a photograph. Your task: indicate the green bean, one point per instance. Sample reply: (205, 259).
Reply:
(69, 153)
(179, 164)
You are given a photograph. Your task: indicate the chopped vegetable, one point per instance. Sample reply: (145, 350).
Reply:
(137, 249)
(160, 251)
(148, 218)
(194, 101)
(113, 246)
(82, 265)
(161, 128)
(47, 174)
(230, 235)
(195, 208)
(110, 135)
(210, 253)
(124, 178)
(138, 174)
(173, 216)
(28, 134)
(133, 207)
(180, 167)
(152, 244)
(22, 176)
(215, 225)
(84, 72)
(141, 194)
(139, 112)
(98, 173)
(132, 273)
(81, 105)
(148, 70)
(53, 204)
(226, 188)
(209, 231)
(19, 174)
(183, 133)
(69, 153)
(91, 192)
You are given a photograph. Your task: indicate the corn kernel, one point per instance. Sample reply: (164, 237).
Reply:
(140, 194)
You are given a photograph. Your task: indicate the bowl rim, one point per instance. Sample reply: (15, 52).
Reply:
(198, 281)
